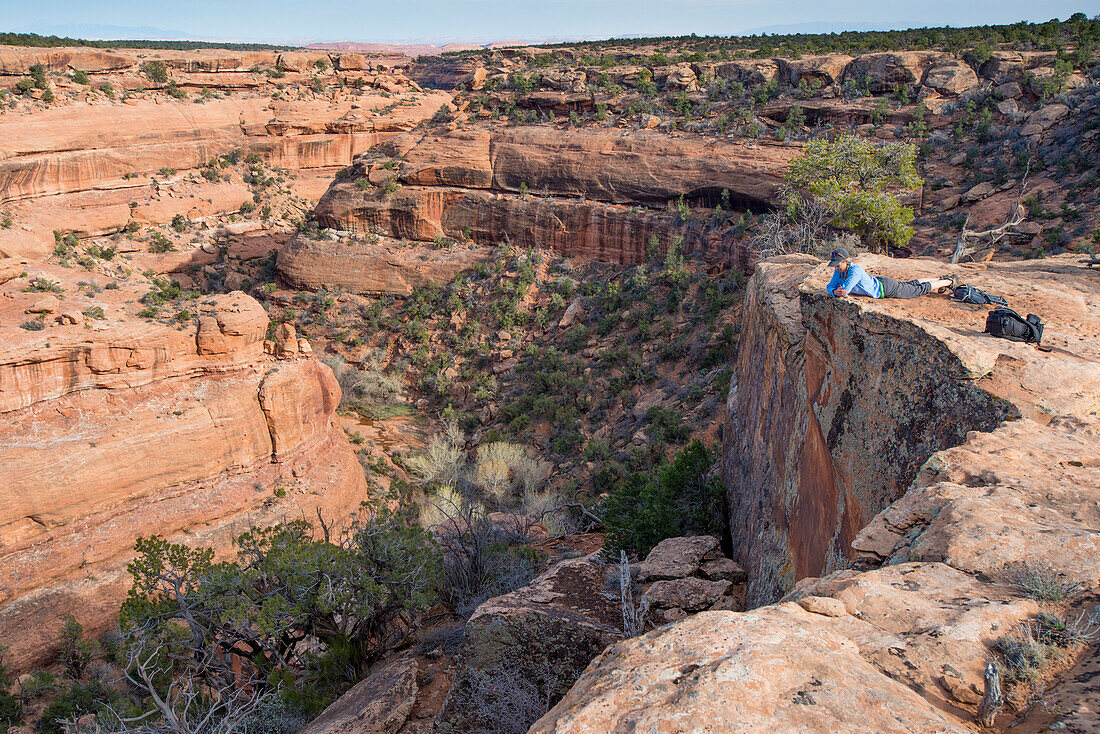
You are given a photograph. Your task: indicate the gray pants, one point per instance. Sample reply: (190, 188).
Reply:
(896, 289)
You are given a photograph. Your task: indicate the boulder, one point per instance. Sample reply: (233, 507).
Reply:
(532, 644)
(378, 704)
(675, 558)
(574, 313)
(722, 569)
(1047, 115)
(951, 78)
(979, 192)
(688, 594)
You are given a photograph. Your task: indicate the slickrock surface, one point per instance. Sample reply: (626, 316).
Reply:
(768, 670)
(824, 454)
(119, 427)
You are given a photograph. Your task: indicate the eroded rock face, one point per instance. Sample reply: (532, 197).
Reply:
(543, 187)
(119, 427)
(883, 72)
(818, 447)
(544, 633)
(569, 227)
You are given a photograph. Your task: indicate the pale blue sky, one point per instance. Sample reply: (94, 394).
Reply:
(486, 20)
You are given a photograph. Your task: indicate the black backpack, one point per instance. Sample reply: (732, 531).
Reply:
(970, 294)
(1007, 324)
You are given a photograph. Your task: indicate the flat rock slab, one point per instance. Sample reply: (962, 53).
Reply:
(769, 670)
(675, 558)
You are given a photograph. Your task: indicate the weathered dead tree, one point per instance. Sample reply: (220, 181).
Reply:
(962, 249)
(993, 699)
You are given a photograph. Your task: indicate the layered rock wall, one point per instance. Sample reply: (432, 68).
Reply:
(116, 428)
(592, 193)
(134, 151)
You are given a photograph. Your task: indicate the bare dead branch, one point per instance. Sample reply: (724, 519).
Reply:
(962, 249)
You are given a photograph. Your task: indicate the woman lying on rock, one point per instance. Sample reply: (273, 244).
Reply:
(850, 279)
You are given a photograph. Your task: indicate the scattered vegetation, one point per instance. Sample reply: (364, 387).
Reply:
(677, 498)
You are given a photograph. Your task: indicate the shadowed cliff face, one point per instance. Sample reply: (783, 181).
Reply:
(837, 405)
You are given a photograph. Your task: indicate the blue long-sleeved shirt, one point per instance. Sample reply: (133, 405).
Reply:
(858, 282)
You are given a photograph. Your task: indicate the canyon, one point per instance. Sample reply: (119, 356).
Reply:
(178, 271)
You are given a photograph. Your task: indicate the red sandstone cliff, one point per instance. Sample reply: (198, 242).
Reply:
(119, 427)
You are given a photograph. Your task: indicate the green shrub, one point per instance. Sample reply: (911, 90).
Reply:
(38, 75)
(855, 179)
(161, 243)
(292, 599)
(73, 702)
(666, 426)
(80, 77)
(676, 499)
(576, 338)
(10, 711)
(74, 651)
(155, 71)
(164, 290)
(42, 284)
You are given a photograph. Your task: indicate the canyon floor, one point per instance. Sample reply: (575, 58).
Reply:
(243, 288)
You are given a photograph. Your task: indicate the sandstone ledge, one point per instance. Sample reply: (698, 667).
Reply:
(385, 268)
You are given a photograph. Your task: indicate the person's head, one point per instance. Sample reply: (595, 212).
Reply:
(840, 259)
